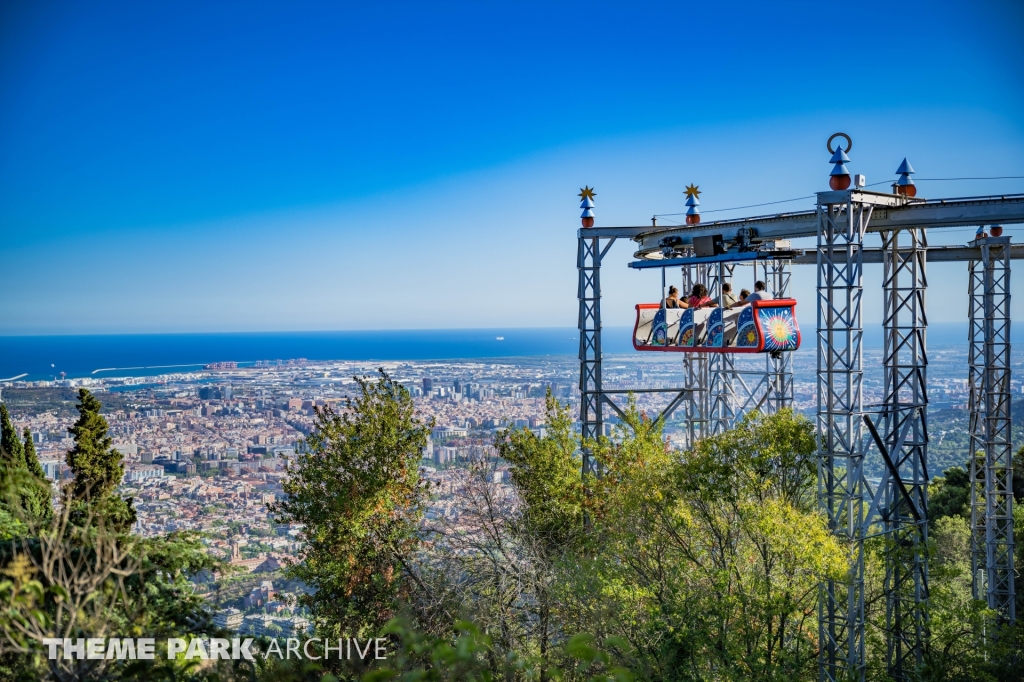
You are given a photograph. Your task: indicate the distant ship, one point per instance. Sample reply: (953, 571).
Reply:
(500, 338)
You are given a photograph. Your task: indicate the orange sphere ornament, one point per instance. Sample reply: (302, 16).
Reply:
(839, 182)
(907, 190)
(588, 221)
(996, 230)
(693, 219)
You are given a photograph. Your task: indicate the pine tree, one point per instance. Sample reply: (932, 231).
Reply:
(97, 466)
(31, 459)
(11, 450)
(24, 490)
(38, 498)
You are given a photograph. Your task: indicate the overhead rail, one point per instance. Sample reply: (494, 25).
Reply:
(1007, 209)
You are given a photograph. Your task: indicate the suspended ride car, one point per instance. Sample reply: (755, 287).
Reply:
(765, 326)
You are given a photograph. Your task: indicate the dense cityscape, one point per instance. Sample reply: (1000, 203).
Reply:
(208, 451)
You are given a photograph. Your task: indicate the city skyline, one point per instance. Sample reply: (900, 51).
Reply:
(313, 165)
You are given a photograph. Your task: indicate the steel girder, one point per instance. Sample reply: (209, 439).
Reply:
(991, 468)
(841, 228)
(904, 435)
(721, 366)
(696, 370)
(588, 265)
(734, 392)
(778, 369)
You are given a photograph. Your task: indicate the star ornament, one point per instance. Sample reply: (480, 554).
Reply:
(587, 193)
(692, 191)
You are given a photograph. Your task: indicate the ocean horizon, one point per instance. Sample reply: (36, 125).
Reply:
(36, 358)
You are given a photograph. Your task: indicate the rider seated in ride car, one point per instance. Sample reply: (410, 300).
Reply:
(673, 299)
(699, 298)
(760, 294)
(728, 300)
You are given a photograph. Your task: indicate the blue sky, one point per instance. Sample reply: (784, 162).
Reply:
(298, 166)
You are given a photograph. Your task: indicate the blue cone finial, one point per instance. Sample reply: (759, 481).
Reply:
(905, 168)
(839, 156)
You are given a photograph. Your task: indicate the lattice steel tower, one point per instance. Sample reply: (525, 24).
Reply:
(989, 405)
(904, 446)
(842, 222)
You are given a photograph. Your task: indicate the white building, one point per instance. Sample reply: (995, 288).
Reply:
(141, 473)
(229, 619)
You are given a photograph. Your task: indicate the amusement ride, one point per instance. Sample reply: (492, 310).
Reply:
(709, 332)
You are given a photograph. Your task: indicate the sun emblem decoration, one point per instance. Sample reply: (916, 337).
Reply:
(779, 332)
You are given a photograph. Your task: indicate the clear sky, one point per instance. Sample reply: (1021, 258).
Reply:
(206, 166)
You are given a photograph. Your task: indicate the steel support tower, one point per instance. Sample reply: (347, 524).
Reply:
(697, 369)
(588, 264)
(778, 368)
(989, 405)
(722, 377)
(734, 392)
(842, 222)
(904, 441)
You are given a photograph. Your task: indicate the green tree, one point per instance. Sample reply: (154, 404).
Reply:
(707, 561)
(546, 474)
(10, 445)
(97, 466)
(31, 459)
(950, 495)
(12, 470)
(24, 490)
(38, 496)
(358, 494)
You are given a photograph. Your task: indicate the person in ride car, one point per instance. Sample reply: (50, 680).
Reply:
(728, 300)
(673, 298)
(699, 298)
(760, 294)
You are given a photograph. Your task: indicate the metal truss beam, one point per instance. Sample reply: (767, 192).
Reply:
(898, 213)
(933, 254)
(734, 393)
(903, 443)
(991, 467)
(840, 230)
(588, 265)
(696, 369)
(779, 368)
(721, 366)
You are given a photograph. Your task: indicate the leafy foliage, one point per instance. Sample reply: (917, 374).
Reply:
(77, 573)
(358, 495)
(24, 490)
(712, 557)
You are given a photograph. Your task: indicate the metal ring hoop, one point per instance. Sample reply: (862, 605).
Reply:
(849, 143)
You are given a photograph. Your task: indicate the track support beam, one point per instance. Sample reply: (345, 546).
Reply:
(991, 464)
(588, 264)
(841, 228)
(904, 445)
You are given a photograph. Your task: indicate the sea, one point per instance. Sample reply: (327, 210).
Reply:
(37, 358)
